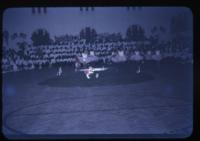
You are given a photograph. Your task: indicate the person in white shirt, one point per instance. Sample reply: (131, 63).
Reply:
(15, 68)
(40, 64)
(148, 56)
(157, 57)
(92, 57)
(84, 57)
(138, 59)
(122, 56)
(59, 73)
(119, 57)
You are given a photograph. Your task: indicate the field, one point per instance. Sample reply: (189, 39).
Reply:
(156, 101)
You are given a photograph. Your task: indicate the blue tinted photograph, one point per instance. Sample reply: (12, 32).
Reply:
(125, 71)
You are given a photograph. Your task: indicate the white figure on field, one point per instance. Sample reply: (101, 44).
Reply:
(59, 73)
(91, 70)
(138, 58)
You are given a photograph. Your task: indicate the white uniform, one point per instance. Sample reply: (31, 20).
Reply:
(138, 58)
(89, 72)
(157, 56)
(120, 57)
(59, 73)
(148, 56)
(84, 57)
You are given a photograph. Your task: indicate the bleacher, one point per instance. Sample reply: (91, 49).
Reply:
(37, 57)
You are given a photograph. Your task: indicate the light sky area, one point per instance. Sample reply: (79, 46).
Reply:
(61, 21)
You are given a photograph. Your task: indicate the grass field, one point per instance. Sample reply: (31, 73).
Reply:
(158, 102)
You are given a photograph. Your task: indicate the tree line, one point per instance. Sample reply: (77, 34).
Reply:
(90, 35)
(135, 32)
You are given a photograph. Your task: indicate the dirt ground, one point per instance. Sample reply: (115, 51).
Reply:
(120, 102)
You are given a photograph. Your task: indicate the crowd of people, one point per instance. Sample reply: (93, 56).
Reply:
(38, 57)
